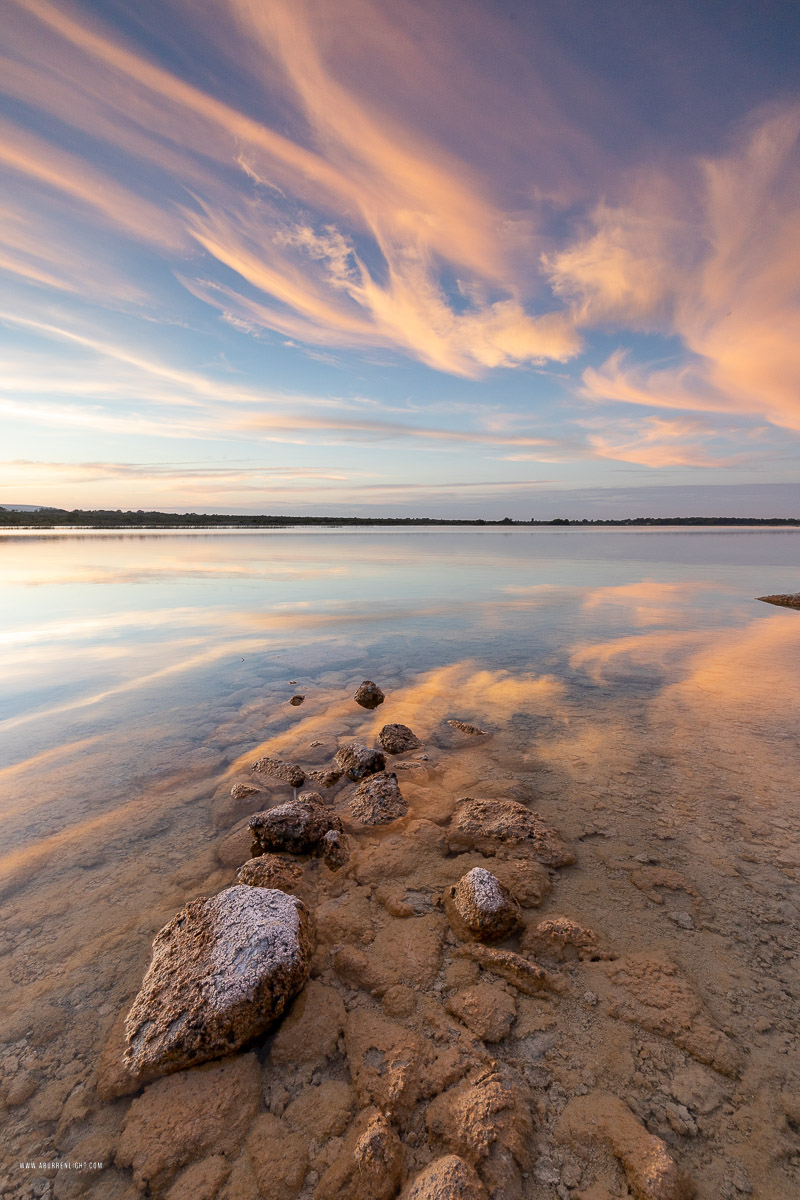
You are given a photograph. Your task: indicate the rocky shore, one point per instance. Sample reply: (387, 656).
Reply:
(375, 999)
(418, 972)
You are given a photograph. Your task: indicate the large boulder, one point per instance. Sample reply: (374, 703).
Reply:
(297, 827)
(480, 908)
(378, 800)
(493, 826)
(222, 971)
(368, 694)
(397, 739)
(357, 761)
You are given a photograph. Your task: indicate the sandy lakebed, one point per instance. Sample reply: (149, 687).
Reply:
(633, 1034)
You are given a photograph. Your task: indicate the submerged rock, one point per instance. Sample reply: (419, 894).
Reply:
(357, 761)
(335, 849)
(378, 800)
(479, 907)
(285, 771)
(396, 739)
(368, 694)
(241, 791)
(296, 701)
(492, 825)
(222, 971)
(270, 871)
(297, 827)
(470, 730)
(324, 779)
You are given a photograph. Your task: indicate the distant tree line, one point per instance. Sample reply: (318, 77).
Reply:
(105, 518)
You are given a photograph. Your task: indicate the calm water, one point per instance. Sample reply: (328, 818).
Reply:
(143, 672)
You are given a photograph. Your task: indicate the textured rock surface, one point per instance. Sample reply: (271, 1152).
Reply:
(396, 739)
(470, 730)
(335, 849)
(369, 1165)
(188, 1116)
(447, 1178)
(378, 800)
(297, 827)
(357, 761)
(783, 599)
(526, 976)
(492, 825)
(487, 1009)
(324, 779)
(368, 694)
(560, 939)
(296, 701)
(241, 791)
(271, 871)
(278, 1157)
(222, 971)
(481, 908)
(285, 771)
(651, 1171)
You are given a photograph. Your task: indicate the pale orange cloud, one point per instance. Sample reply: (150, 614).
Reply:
(715, 262)
(660, 442)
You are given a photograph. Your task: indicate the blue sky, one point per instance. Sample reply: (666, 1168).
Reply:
(444, 259)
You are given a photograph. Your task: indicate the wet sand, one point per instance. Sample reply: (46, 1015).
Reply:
(679, 803)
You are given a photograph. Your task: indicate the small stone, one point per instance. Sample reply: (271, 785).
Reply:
(270, 871)
(324, 779)
(240, 791)
(368, 694)
(335, 849)
(357, 761)
(479, 907)
(222, 971)
(560, 939)
(285, 771)
(378, 800)
(486, 1009)
(297, 827)
(296, 701)
(396, 739)
(470, 730)
(526, 976)
(682, 919)
(681, 1120)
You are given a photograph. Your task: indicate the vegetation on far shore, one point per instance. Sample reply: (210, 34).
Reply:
(46, 518)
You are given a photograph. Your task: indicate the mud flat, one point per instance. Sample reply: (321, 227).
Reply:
(490, 971)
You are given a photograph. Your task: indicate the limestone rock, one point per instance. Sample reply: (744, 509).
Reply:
(651, 992)
(324, 779)
(222, 971)
(526, 976)
(357, 761)
(784, 599)
(446, 1178)
(493, 825)
(387, 1062)
(378, 800)
(285, 771)
(322, 1110)
(368, 694)
(369, 1165)
(189, 1116)
(335, 849)
(486, 1119)
(479, 907)
(297, 827)
(241, 791)
(396, 739)
(271, 871)
(651, 1172)
(560, 939)
(470, 730)
(309, 1036)
(527, 880)
(279, 1158)
(486, 1009)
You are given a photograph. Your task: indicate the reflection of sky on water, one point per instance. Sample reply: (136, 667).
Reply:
(128, 657)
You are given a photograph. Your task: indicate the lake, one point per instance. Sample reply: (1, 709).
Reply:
(628, 678)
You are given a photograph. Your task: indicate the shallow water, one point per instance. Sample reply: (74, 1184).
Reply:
(628, 677)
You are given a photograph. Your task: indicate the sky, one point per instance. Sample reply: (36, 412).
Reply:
(449, 258)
